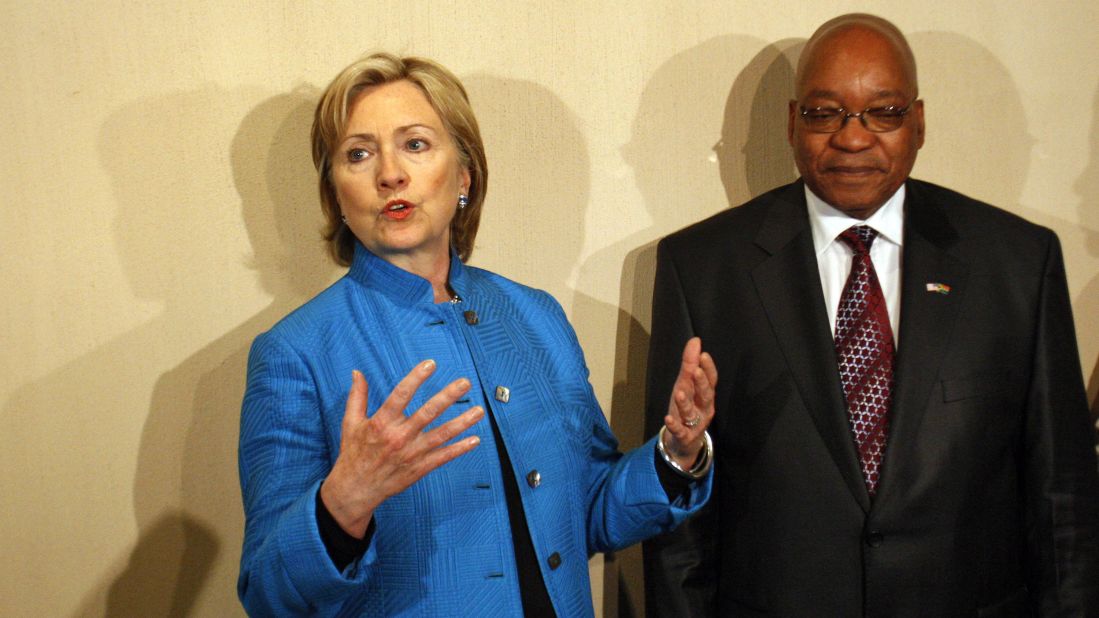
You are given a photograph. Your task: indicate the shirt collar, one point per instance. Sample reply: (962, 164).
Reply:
(379, 275)
(827, 222)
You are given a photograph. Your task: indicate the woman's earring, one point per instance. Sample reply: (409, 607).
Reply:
(463, 201)
(344, 219)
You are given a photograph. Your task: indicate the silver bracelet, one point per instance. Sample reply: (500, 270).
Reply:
(700, 468)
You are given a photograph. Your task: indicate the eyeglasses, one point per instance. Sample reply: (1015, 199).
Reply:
(874, 119)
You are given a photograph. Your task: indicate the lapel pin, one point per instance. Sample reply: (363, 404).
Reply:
(938, 288)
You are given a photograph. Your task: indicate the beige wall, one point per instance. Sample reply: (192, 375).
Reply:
(158, 213)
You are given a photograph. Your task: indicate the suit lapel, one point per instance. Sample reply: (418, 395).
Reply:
(927, 318)
(788, 284)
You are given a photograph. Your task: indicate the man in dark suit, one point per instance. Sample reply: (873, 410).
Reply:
(902, 428)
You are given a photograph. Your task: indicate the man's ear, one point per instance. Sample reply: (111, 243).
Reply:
(917, 111)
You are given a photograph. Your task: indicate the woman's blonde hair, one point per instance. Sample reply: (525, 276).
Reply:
(449, 99)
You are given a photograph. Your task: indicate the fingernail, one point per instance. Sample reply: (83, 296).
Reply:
(428, 365)
(463, 383)
(474, 441)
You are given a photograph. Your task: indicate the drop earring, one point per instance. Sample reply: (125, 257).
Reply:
(463, 201)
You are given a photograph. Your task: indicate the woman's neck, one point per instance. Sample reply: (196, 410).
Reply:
(434, 268)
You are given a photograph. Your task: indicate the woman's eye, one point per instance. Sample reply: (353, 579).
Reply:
(416, 144)
(357, 154)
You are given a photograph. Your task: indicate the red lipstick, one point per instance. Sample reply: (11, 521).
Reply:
(398, 210)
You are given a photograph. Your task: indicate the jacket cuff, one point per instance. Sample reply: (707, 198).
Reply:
(305, 558)
(646, 486)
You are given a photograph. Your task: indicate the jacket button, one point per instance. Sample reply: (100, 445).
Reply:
(554, 560)
(534, 479)
(471, 318)
(503, 394)
(874, 538)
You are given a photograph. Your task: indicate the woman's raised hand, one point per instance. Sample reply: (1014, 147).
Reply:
(385, 453)
(692, 405)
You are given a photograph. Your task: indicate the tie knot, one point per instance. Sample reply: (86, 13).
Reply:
(859, 238)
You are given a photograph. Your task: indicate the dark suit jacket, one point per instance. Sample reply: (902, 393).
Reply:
(989, 499)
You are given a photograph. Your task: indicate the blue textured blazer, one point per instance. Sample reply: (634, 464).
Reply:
(443, 547)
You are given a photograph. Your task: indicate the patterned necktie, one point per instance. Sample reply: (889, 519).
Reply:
(864, 346)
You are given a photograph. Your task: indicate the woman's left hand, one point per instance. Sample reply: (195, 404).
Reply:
(692, 405)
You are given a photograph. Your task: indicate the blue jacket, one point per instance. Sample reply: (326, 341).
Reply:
(442, 547)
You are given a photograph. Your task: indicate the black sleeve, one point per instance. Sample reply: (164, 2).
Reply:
(676, 486)
(342, 548)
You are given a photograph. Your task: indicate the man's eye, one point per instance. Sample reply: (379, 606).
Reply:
(821, 113)
(885, 112)
(416, 144)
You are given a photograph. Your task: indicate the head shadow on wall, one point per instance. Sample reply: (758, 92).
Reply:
(533, 226)
(706, 116)
(977, 139)
(274, 175)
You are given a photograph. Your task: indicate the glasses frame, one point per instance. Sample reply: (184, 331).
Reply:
(845, 115)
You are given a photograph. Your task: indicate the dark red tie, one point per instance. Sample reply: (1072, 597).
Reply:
(864, 346)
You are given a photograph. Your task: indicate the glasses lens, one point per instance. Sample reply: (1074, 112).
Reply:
(884, 119)
(822, 120)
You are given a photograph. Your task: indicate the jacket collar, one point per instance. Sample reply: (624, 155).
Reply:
(380, 276)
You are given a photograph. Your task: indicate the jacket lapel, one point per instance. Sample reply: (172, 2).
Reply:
(927, 318)
(788, 284)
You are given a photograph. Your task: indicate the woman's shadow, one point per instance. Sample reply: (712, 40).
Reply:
(533, 225)
(186, 492)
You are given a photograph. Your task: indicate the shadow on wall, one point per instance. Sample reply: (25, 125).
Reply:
(699, 146)
(1087, 187)
(186, 497)
(958, 77)
(538, 183)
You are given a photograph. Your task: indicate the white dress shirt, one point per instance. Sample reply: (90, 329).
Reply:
(834, 256)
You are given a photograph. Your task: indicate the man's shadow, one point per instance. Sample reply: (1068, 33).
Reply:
(966, 76)
(1087, 187)
(698, 146)
(186, 498)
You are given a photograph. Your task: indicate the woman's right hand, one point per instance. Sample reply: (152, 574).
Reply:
(385, 453)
